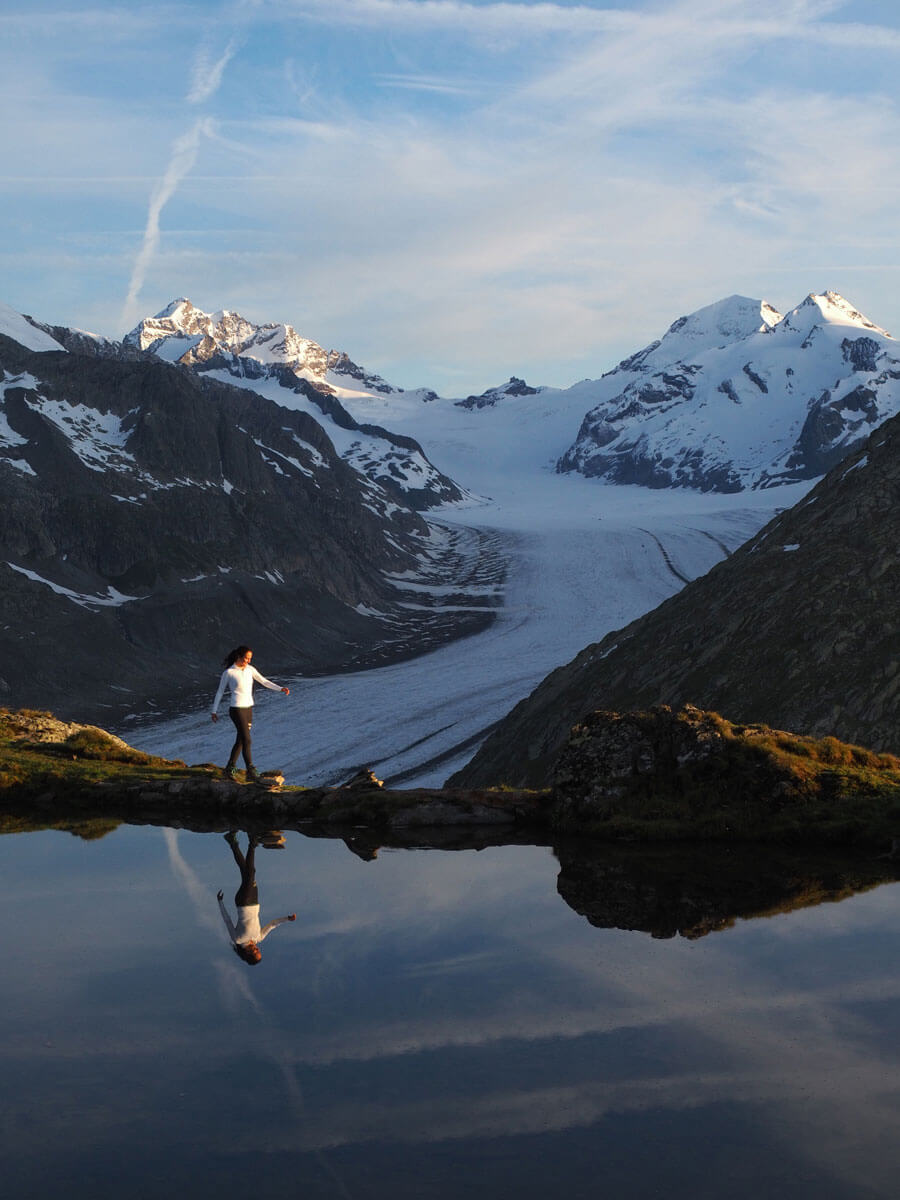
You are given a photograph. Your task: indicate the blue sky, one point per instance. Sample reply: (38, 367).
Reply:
(450, 191)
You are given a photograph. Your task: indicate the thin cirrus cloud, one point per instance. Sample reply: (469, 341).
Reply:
(727, 18)
(424, 83)
(457, 16)
(423, 165)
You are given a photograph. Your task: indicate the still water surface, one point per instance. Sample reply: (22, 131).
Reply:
(434, 1024)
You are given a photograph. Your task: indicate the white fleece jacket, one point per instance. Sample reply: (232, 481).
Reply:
(240, 682)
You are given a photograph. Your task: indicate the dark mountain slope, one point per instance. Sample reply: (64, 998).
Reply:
(799, 629)
(295, 372)
(152, 518)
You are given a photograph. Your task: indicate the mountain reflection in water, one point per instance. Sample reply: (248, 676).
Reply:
(435, 1023)
(696, 890)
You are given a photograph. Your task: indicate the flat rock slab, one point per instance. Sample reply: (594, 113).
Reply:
(370, 807)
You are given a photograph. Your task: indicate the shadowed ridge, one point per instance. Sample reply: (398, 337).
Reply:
(797, 629)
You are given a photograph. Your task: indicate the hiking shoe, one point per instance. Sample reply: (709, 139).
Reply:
(229, 772)
(252, 775)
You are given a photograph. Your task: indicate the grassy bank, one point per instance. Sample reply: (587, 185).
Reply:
(694, 774)
(39, 754)
(708, 780)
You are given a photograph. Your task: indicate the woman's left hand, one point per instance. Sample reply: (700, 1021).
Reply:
(287, 691)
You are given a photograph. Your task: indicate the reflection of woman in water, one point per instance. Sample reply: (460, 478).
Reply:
(238, 677)
(247, 935)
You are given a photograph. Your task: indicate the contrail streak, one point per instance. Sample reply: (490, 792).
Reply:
(208, 76)
(184, 155)
(206, 81)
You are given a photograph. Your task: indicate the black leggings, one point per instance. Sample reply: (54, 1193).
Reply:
(248, 892)
(243, 720)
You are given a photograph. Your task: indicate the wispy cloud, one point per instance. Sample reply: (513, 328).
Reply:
(726, 18)
(458, 16)
(426, 83)
(207, 73)
(543, 184)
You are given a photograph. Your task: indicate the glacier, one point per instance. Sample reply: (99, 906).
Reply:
(586, 557)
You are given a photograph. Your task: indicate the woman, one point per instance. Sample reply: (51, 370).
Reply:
(238, 677)
(247, 933)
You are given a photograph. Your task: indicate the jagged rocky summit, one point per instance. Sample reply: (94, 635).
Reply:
(297, 373)
(491, 397)
(737, 396)
(185, 334)
(798, 628)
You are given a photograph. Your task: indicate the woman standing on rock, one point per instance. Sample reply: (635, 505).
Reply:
(238, 677)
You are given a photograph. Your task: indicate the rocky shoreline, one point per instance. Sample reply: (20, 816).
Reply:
(370, 807)
(659, 775)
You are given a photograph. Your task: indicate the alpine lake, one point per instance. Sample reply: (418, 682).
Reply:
(455, 1018)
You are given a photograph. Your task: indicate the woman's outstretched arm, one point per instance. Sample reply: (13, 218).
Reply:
(274, 687)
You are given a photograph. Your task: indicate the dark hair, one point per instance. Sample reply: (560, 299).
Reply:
(233, 655)
(250, 955)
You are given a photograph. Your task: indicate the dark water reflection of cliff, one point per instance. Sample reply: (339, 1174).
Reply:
(436, 1023)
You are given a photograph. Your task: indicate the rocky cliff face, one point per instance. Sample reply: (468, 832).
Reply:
(798, 629)
(736, 396)
(153, 518)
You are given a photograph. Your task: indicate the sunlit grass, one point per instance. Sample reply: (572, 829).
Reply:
(760, 784)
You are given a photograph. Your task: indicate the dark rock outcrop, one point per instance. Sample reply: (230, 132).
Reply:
(683, 774)
(515, 387)
(612, 757)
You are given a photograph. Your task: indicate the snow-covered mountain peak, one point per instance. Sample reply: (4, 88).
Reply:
(176, 309)
(729, 320)
(18, 327)
(827, 308)
(182, 320)
(734, 396)
(276, 362)
(715, 325)
(185, 334)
